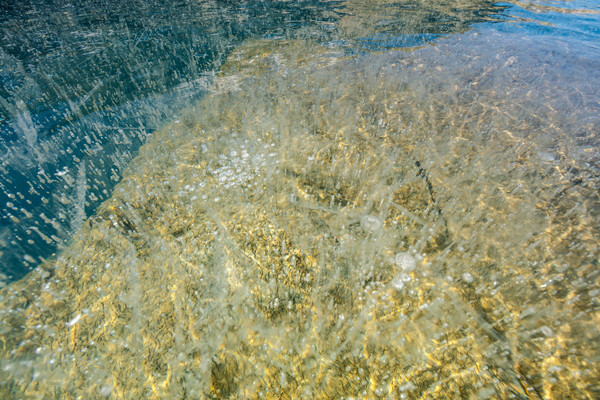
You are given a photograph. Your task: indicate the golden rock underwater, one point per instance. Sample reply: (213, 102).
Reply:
(327, 226)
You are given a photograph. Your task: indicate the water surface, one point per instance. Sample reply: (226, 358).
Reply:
(340, 201)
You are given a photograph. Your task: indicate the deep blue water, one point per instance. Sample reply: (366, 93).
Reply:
(84, 83)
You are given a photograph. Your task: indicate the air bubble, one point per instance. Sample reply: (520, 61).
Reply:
(371, 223)
(397, 283)
(405, 261)
(547, 331)
(106, 390)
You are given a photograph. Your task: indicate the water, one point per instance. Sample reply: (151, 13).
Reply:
(83, 85)
(330, 200)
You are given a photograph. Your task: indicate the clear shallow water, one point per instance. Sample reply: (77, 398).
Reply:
(83, 85)
(353, 204)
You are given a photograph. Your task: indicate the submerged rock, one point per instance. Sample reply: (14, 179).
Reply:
(201, 277)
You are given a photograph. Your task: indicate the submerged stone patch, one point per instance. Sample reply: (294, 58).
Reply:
(224, 271)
